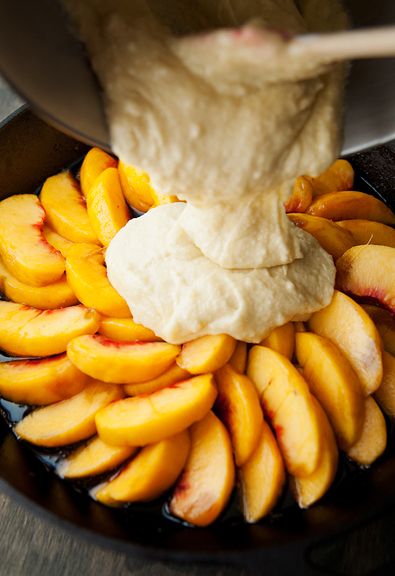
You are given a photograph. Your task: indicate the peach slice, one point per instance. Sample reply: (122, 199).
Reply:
(26, 331)
(385, 395)
(65, 208)
(262, 477)
(136, 187)
(206, 484)
(373, 440)
(333, 238)
(68, 421)
(126, 330)
(121, 362)
(56, 295)
(339, 176)
(41, 381)
(23, 248)
(290, 408)
(333, 381)
(107, 209)
(172, 375)
(351, 206)
(385, 324)
(95, 162)
(282, 340)
(239, 408)
(347, 325)
(153, 471)
(150, 418)
(311, 488)
(369, 272)
(238, 360)
(206, 354)
(93, 458)
(57, 241)
(301, 197)
(87, 276)
(369, 232)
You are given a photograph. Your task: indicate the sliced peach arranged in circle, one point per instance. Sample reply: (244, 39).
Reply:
(126, 330)
(42, 381)
(150, 418)
(385, 324)
(351, 206)
(153, 471)
(369, 272)
(95, 457)
(136, 187)
(207, 353)
(369, 232)
(338, 177)
(333, 238)
(301, 197)
(27, 331)
(121, 362)
(171, 376)
(239, 408)
(262, 477)
(107, 209)
(66, 209)
(56, 295)
(206, 484)
(68, 421)
(347, 325)
(385, 395)
(57, 241)
(87, 276)
(282, 340)
(95, 162)
(23, 248)
(333, 381)
(289, 406)
(373, 440)
(311, 488)
(238, 360)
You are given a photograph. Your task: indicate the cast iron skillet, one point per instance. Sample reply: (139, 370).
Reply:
(29, 152)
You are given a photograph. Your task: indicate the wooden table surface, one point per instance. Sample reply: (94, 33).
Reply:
(32, 546)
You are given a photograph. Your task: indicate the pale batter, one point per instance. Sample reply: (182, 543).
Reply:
(222, 121)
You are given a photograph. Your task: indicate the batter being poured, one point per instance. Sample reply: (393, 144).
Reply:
(210, 101)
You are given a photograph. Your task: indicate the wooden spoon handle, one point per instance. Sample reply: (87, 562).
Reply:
(336, 46)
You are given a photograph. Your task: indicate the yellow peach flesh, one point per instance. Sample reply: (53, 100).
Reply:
(262, 477)
(27, 331)
(350, 328)
(87, 276)
(239, 408)
(66, 209)
(121, 362)
(94, 458)
(107, 209)
(68, 421)
(207, 353)
(153, 471)
(289, 406)
(95, 162)
(351, 206)
(206, 484)
(40, 382)
(145, 419)
(373, 440)
(334, 383)
(23, 248)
